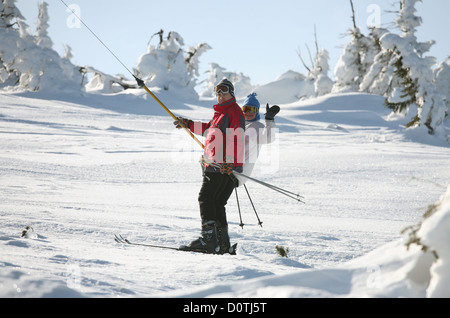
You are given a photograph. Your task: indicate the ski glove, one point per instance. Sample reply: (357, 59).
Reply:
(182, 122)
(226, 168)
(272, 111)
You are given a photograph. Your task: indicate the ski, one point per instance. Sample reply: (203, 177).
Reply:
(120, 239)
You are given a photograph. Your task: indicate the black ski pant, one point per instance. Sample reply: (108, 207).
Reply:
(215, 191)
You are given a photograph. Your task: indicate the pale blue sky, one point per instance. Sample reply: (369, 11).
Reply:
(256, 37)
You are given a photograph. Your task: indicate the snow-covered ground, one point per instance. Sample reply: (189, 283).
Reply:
(79, 169)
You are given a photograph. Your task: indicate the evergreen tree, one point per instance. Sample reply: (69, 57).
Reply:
(318, 72)
(408, 22)
(377, 80)
(442, 81)
(193, 56)
(241, 82)
(355, 61)
(9, 39)
(42, 38)
(322, 83)
(26, 65)
(168, 66)
(415, 72)
(9, 14)
(68, 53)
(348, 67)
(216, 73)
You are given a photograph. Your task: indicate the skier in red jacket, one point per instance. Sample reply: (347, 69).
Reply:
(224, 148)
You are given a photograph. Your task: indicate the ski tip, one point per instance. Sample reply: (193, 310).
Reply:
(120, 239)
(117, 238)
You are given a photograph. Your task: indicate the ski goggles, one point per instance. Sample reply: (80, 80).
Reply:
(222, 89)
(251, 109)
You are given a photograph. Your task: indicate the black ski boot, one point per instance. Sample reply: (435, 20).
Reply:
(224, 239)
(207, 243)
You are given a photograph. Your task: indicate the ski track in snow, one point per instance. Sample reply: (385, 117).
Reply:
(78, 174)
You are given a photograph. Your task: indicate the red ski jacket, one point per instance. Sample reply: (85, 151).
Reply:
(224, 135)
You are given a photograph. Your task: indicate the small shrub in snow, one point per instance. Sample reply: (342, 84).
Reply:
(283, 252)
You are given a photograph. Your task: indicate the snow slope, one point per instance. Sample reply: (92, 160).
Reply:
(80, 168)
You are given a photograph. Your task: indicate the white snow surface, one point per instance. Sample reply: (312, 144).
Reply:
(79, 168)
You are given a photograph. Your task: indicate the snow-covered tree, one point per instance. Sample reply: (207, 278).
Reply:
(442, 81)
(168, 66)
(317, 77)
(193, 56)
(9, 37)
(416, 74)
(356, 59)
(160, 64)
(9, 13)
(322, 83)
(68, 53)
(105, 83)
(216, 73)
(407, 21)
(377, 80)
(348, 68)
(26, 65)
(242, 83)
(42, 38)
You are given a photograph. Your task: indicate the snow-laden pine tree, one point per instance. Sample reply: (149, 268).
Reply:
(408, 22)
(68, 53)
(9, 15)
(442, 81)
(193, 58)
(168, 66)
(242, 83)
(348, 68)
(317, 83)
(355, 61)
(322, 83)
(42, 38)
(26, 65)
(377, 80)
(216, 73)
(104, 83)
(414, 70)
